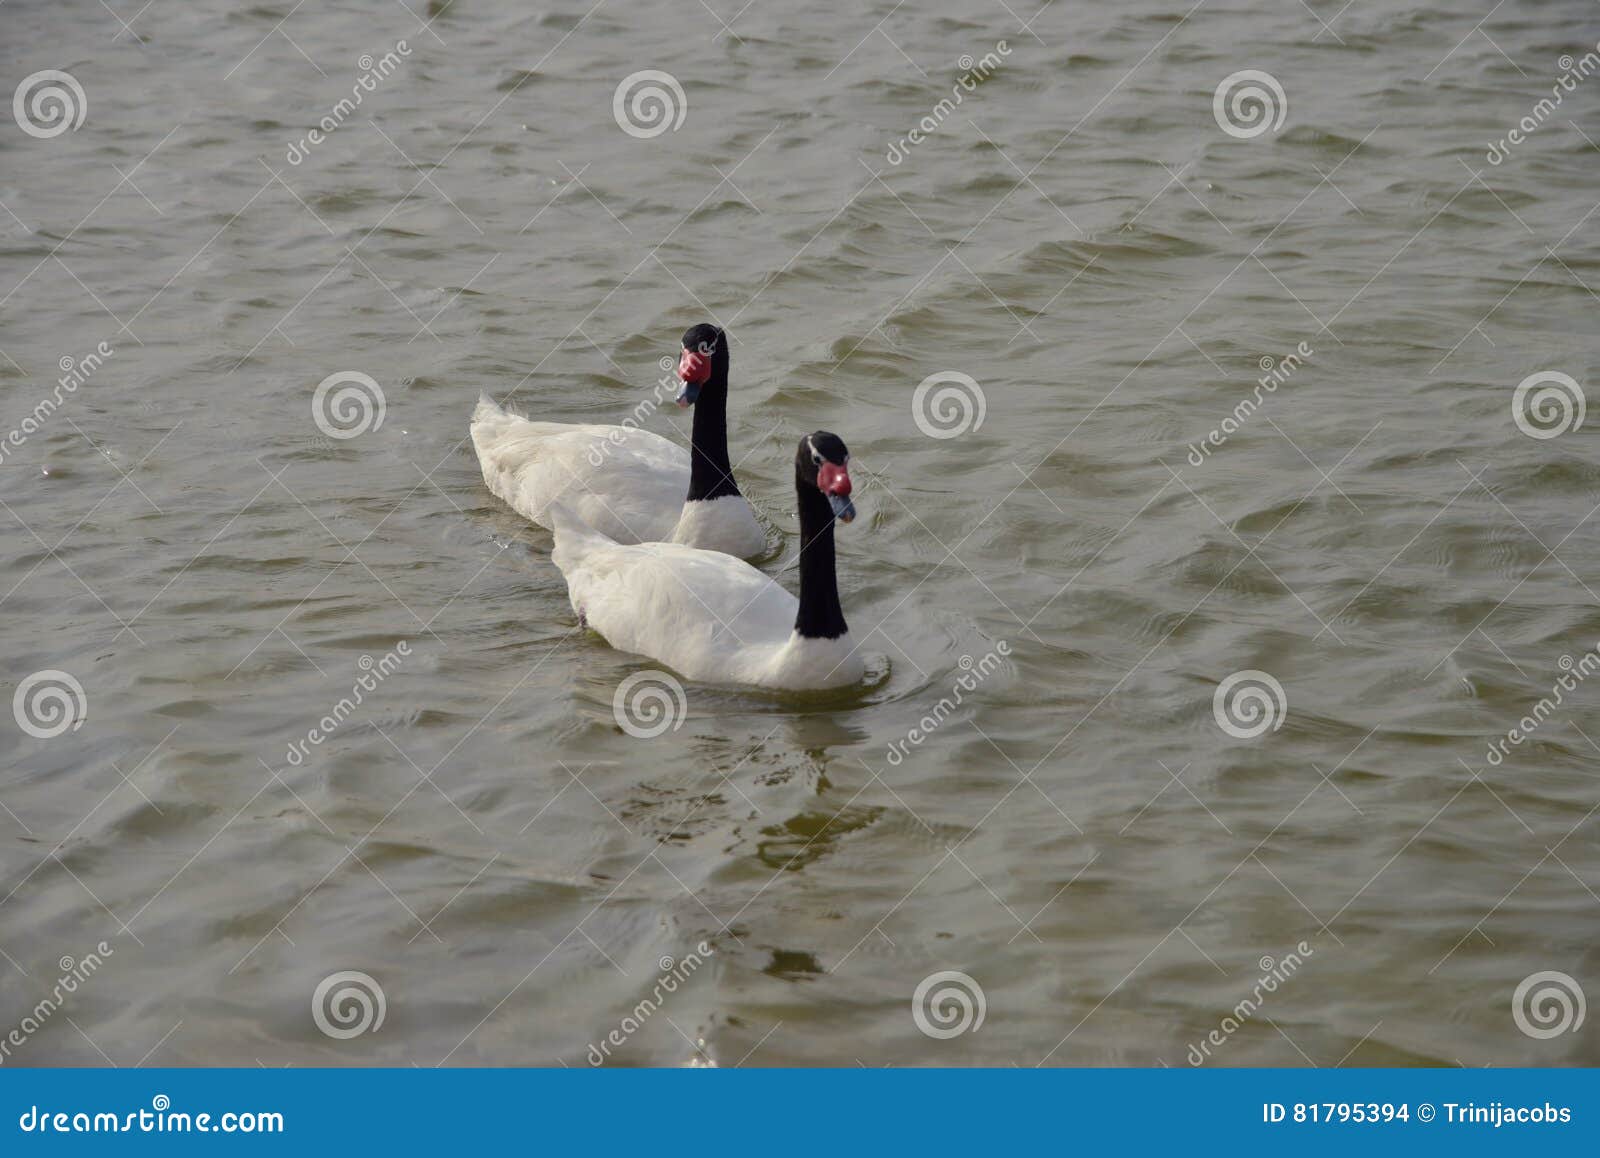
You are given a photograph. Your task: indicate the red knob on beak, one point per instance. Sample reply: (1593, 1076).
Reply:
(833, 479)
(694, 366)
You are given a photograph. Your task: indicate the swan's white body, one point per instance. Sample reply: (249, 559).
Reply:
(708, 616)
(626, 483)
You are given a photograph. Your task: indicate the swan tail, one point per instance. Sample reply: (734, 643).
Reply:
(574, 537)
(487, 410)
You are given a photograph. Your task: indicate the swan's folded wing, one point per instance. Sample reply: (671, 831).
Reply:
(701, 612)
(626, 482)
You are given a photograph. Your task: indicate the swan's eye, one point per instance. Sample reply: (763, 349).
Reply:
(816, 460)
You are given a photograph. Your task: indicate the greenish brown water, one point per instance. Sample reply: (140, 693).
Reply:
(1080, 237)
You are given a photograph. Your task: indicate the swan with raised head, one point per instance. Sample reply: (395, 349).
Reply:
(629, 484)
(717, 619)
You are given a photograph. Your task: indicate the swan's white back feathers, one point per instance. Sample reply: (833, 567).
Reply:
(625, 482)
(709, 616)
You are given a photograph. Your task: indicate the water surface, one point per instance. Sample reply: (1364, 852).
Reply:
(1082, 238)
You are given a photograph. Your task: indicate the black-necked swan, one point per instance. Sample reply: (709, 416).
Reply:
(631, 485)
(717, 619)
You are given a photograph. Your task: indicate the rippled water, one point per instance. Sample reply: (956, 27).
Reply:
(1106, 854)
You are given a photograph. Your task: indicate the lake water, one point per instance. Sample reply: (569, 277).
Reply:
(1286, 389)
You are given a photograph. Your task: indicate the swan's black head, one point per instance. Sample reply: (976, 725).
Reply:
(823, 461)
(704, 347)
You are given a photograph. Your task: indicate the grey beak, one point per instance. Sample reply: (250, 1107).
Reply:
(843, 509)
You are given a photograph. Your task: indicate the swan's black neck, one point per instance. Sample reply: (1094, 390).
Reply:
(820, 615)
(710, 473)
